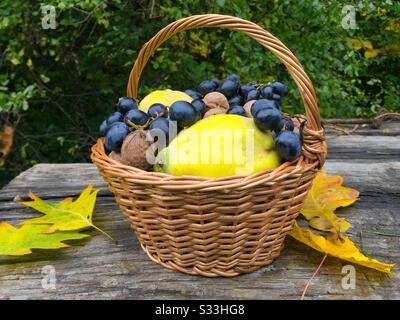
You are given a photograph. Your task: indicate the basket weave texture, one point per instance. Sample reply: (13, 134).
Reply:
(217, 226)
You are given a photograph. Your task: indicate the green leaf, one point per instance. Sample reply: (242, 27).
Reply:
(20, 241)
(15, 61)
(66, 215)
(44, 78)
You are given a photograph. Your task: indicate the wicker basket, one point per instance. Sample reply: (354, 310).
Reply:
(217, 226)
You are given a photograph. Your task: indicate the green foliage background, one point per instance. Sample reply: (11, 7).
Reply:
(56, 86)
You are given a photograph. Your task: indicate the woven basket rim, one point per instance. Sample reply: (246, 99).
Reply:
(168, 181)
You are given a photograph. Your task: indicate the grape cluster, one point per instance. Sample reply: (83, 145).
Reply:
(128, 118)
(261, 102)
(265, 103)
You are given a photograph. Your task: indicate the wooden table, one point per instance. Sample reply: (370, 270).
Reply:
(97, 268)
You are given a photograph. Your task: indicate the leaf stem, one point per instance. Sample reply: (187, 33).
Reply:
(103, 232)
(362, 245)
(313, 276)
(94, 226)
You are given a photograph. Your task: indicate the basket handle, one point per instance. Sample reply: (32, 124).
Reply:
(246, 27)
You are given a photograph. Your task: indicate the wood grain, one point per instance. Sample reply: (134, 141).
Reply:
(96, 268)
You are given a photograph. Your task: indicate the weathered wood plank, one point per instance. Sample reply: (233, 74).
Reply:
(40, 178)
(97, 268)
(366, 148)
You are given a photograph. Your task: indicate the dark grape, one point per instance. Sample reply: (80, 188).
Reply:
(280, 88)
(118, 123)
(233, 77)
(236, 101)
(199, 105)
(103, 128)
(115, 136)
(237, 110)
(229, 88)
(137, 117)
(288, 146)
(280, 126)
(216, 81)
(276, 97)
(289, 125)
(160, 126)
(268, 119)
(157, 110)
(252, 95)
(193, 94)
(125, 104)
(183, 113)
(262, 104)
(278, 100)
(207, 86)
(266, 92)
(115, 117)
(245, 89)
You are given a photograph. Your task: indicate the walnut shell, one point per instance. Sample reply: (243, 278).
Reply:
(134, 148)
(115, 156)
(214, 111)
(216, 100)
(247, 108)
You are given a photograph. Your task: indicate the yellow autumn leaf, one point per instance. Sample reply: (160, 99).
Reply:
(19, 241)
(325, 196)
(66, 215)
(368, 45)
(382, 11)
(198, 45)
(393, 26)
(342, 248)
(369, 54)
(357, 45)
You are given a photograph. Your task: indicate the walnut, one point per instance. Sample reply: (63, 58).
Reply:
(134, 149)
(247, 108)
(216, 100)
(115, 156)
(214, 111)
